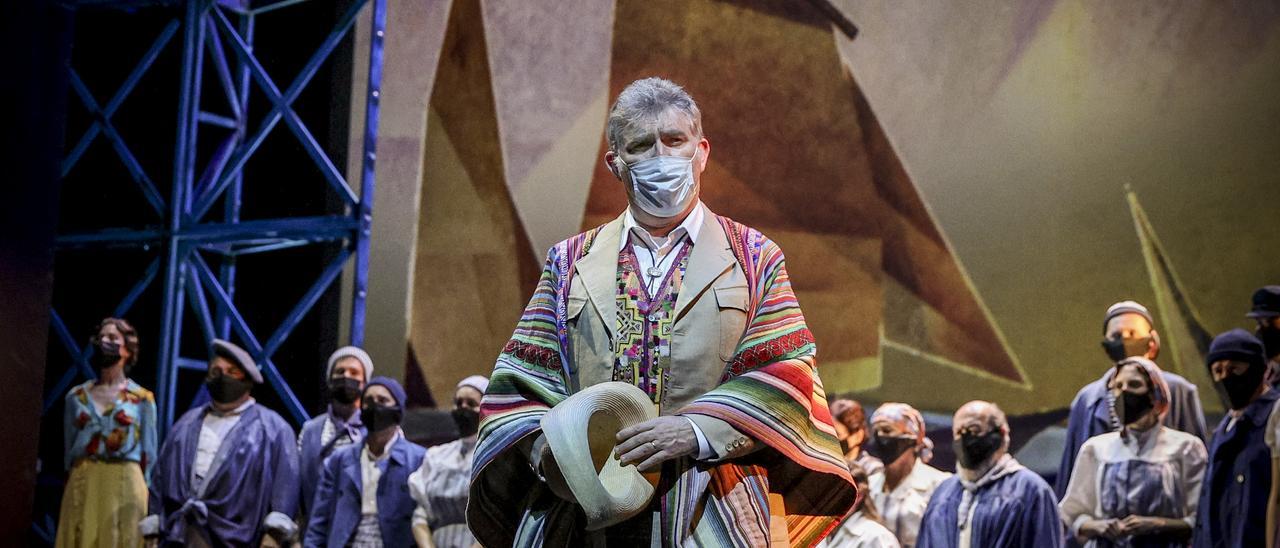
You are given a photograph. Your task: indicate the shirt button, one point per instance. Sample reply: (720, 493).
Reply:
(1240, 478)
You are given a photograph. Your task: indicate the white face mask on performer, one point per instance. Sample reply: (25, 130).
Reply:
(663, 186)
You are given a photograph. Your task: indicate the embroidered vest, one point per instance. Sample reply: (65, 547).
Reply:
(642, 349)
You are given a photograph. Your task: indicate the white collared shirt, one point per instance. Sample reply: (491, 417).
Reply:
(213, 429)
(370, 474)
(649, 249)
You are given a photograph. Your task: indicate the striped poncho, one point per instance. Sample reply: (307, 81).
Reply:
(770, 391)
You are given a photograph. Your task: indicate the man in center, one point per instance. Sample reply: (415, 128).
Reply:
(697, 311)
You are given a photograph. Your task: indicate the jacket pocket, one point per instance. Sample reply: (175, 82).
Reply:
(732, 303)
(575, 306)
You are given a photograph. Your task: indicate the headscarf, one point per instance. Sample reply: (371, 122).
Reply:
(1159, 391)
(911, 421)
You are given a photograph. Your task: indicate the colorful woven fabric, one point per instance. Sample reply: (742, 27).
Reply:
(770, 391)
(642, 347)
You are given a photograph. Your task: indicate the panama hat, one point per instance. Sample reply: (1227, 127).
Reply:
(581, 432)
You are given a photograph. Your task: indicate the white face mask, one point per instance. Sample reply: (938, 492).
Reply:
(663, 186)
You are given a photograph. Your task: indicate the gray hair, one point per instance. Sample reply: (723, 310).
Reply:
(647, 98)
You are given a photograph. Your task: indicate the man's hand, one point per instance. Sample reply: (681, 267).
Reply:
(655, 441)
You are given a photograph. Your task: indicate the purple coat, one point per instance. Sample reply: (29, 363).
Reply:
(336, 512)
(254, 473)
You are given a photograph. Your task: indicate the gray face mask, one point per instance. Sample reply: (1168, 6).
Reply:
(663, 186)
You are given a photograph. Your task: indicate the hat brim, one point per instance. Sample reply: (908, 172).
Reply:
(1262, 314)
(581, 432)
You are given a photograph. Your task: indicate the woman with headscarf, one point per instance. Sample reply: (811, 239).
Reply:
(864, 528)
(851, 430)
(1139, 486)
(110, 434)
(902, 491)
(441, 486)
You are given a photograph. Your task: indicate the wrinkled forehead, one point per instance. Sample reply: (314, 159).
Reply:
(670, 121)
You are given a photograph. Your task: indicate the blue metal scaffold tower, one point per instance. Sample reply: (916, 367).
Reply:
(201, 213)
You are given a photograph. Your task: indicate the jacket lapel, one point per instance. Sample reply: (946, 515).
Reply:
(354, 471)
(710, 258)
(598, 271)
(395, 460)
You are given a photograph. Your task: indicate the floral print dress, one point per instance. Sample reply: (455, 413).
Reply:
(109, 453)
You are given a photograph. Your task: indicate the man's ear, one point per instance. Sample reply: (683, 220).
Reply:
(1153, 347)
(611, 161)
(705, 145)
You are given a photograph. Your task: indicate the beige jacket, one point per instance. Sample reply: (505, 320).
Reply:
(710, 312)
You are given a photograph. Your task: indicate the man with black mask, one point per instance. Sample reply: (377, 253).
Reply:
(1128, 330)
(1266, 311)
(361, 499)
(992, 501)
(1237, 506)
(227, 473)
(441, 485)
(348, 370)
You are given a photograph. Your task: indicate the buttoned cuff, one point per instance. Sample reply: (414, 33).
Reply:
(283, 525)
(149, 526)
(704, 447)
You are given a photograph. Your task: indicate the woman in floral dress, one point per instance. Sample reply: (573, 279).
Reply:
(110, 434)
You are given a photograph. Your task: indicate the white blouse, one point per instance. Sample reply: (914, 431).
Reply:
(860, 532)
(1152, 473)
(903, 507)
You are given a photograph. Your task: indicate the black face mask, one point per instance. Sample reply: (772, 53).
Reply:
(889, 448)
(467, 419)
(224, 389)
(344, 390)
(974, 449)
(1241, 388)
(1119, 348)
(106, 354)
(377, 417)
(1270, 338)
(1133, 407)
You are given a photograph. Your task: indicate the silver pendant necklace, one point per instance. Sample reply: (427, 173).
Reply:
(654, 270)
